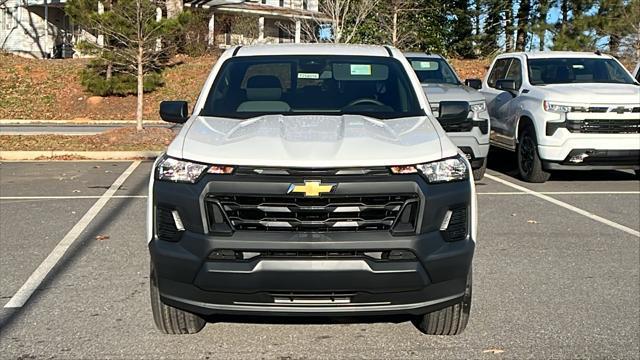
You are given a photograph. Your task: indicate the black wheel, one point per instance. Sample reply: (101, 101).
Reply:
(478, 173)
(529, 163)
(168, 319)
(638, 174)
(451, 320)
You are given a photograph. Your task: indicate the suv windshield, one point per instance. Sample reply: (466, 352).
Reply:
(433, 71)
(576, 70)
(312, 85)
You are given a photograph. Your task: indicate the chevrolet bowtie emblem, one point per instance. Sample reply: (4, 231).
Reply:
(310, 188)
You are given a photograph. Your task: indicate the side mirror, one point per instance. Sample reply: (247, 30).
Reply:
(507, 85)
(174, 111)
(474, 83)
(453, 112)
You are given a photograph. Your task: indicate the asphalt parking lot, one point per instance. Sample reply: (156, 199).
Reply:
(556, 274)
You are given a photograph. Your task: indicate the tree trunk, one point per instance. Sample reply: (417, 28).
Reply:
(542, 22)
(394, 35)
(523, 24)
(508, 28)
(109, 70)
(140, 103)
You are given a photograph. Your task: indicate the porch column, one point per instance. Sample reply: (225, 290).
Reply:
(158, 19)
(100, 39)
(47, 53)
(298, 30)
(211, 38)
(261, 29)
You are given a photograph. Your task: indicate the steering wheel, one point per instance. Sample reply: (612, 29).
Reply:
(365, 101)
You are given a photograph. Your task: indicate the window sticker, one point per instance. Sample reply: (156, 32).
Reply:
(424, 65)
(361, 69)
(308, 76)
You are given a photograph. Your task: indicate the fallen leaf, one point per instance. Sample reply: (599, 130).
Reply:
(532, 222)
(76, 191)
(494, 351)
(513, 214)
(102, 237)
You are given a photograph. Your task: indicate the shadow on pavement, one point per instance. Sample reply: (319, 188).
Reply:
(505, 162)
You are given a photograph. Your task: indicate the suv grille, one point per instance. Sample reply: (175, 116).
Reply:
(604, 126)
(327, 213)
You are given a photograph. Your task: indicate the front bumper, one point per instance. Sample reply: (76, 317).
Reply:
(306, 284)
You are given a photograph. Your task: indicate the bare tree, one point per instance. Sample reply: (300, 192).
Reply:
(343, 16)
(395, 21)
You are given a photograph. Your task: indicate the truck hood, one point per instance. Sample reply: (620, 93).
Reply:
(591, 93)
(449, 92)
(309, 141)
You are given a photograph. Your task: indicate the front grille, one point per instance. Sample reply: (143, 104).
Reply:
(248, 255)
(462, 126)
(604, 126)
(326, 213)
(458, 224)
(166, 226)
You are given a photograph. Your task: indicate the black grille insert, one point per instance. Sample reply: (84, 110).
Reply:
(166, 226)
(604, 126)
(458, 224)
(326, 213)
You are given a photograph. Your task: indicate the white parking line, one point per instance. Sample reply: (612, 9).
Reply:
(70, 197)
(560, 193)
(565, 205)
(38, 276)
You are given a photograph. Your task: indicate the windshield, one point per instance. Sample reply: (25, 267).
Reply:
(433, 71)
(576, 70)
(312, 85)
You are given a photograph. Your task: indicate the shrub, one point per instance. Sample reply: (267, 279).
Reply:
(94, 78)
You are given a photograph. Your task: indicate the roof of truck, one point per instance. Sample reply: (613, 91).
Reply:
(313, 49)
(422, 55)
(557, 54)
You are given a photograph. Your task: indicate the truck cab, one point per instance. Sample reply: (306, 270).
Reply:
(564, 111)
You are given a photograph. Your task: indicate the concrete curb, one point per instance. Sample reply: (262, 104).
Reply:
(75, 122)
(92, 155)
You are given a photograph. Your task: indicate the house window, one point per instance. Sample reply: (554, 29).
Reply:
(281, 3)
(305, 4)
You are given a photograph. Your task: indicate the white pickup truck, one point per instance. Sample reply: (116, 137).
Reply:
(564, 111)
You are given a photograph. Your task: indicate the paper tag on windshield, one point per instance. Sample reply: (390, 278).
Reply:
(361, 69)
(308, 76)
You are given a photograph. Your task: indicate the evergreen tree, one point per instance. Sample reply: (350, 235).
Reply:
(461, 37)
(522, 36)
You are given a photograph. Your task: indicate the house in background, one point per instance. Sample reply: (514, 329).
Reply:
(42, 29)
(37, 28)
(238, 22)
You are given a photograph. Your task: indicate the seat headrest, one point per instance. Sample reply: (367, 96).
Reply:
(264, 88)
(264, 81)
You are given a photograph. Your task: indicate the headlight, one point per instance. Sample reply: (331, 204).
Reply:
(175, 170)
(556, 107)
(478, 107)
(448, 170)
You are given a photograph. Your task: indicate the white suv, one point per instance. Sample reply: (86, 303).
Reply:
(564, 111)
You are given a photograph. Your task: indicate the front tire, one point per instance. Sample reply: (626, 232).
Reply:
(478, 173)
(529, 162)
(451, 320)
(168, 319)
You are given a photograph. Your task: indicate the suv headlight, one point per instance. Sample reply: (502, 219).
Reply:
(442, 171)
(170, 169)
(556, 107)
(478, 107)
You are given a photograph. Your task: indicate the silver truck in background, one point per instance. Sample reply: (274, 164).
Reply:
(441, 83)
